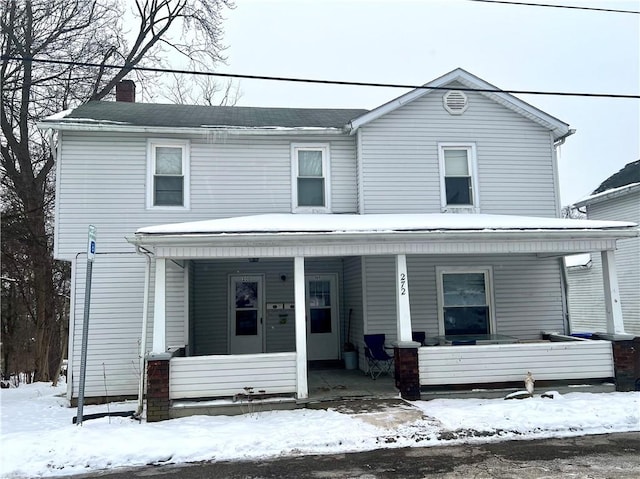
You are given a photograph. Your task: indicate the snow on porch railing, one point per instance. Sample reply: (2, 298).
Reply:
(231, 375)
(441, 365)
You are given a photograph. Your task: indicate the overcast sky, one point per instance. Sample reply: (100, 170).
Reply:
(413, 42)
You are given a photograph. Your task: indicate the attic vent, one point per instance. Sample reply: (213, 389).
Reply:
(455, 102)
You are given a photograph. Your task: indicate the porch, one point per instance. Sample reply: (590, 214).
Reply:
(497, 277)
(247, 383)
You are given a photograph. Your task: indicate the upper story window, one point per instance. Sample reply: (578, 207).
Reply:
(458, 177)
(310, 178)
(168, 174)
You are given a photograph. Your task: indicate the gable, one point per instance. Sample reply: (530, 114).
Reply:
(461, 80)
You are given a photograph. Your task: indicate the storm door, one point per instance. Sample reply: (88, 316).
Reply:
(246, 325)
(322, 317)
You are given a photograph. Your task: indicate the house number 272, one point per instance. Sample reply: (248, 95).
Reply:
(403, 284)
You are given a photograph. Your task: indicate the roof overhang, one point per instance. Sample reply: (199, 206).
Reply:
(607, 195)
(236, 237)
(558, 127)
(107, 126)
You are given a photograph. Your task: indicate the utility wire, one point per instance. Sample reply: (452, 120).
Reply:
(611, 10)
(311, 80)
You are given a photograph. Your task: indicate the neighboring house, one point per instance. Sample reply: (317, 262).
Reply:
(265, 238)
(617, 198)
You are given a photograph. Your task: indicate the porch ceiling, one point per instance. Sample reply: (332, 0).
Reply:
(287, 235)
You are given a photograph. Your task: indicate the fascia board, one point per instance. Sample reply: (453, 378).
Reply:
(104, 127)
(615, 193)
(558, 127)
(272, 239)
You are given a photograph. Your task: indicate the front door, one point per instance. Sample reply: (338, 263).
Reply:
(322, 317)
(246, 315)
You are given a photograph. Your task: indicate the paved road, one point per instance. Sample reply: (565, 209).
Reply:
(614, 456)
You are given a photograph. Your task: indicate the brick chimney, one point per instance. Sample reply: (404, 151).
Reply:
(126, 91)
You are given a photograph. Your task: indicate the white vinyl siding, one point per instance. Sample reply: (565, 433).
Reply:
(400, 166)
(526, 291)
(354, 306)
(586, 290)
(223, 376)
(102, 182)
(510, 362)
(115, 322)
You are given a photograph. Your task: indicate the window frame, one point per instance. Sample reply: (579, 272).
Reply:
(152, 145)
(488, 290)
(472, 168)
(326, 175)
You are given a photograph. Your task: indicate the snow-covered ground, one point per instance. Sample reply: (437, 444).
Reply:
(38, 438)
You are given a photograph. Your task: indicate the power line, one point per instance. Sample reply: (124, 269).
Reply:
(611, 10)
(313, 81)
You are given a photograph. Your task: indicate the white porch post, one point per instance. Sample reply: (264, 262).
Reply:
(159, 308)
(612, 303)
(403, 311)
(301, 328)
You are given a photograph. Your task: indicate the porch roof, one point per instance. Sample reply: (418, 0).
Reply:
(287, 235)
(333, 224)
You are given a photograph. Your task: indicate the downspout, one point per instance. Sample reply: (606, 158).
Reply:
(565, 280)
(565, 297)
(145, 321)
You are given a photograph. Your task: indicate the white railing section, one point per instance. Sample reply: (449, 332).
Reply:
(440, 365)
(228, 375)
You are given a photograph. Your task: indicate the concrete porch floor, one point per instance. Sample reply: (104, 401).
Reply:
(328, 384)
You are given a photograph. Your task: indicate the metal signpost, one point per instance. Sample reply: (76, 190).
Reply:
(91, 254)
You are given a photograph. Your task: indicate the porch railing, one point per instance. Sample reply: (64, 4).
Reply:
(443, 365)
(231, 375)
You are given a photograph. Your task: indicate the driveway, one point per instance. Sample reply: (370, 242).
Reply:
(604, 456)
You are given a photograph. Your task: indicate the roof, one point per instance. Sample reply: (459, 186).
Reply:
(624, 181)
(559, 128)
(377, 223)
(169, 117)
(627, 175)
(197, 116)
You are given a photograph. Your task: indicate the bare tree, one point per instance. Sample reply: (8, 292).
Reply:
(79, 31)
(203, 91)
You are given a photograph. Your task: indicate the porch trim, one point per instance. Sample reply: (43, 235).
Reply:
(443, 365)
(159, 308)
(403, 309)
(232, 375)
(370, 245)
(302, 388)
(613, 305)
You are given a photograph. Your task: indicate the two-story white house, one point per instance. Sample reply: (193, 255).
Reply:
(255, 240)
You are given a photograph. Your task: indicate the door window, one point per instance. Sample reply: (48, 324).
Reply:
(320, 306)
(246, 297)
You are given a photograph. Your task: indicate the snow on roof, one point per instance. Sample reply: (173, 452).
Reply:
(577, 260)
(376, 223)
(60, 115)
(606, 194)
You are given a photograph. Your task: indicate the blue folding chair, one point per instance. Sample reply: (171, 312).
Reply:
(378, 360)
(419, 337)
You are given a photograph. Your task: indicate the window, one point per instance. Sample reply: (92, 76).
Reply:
(464, 301)
(310, 178)
(168, 176)
(458, 177)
